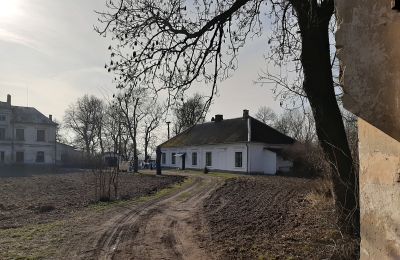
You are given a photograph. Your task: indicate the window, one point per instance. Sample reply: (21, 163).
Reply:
(173, 158)
(163, 158)
(1, 157)
(194, 158)
(20, 157)
(40, 135)
(238, 159)
(40, 157)
(2, 134)
(208, 158)
(20, 134)
(2, 118)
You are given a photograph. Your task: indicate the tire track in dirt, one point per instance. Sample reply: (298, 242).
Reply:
(157, 229)
(166, 231)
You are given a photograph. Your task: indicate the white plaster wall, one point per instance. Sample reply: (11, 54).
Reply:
(223, 157)
(261, 159)
(30, 146)
(269, 163)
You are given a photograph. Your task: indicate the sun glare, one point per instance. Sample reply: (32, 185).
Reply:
(9, 8)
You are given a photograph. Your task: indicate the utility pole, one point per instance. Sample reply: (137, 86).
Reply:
(168, 122)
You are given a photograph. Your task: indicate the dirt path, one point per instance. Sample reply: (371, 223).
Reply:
(163, 228)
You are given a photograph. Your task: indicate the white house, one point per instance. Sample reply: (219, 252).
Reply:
(237, 145)
(26, 135)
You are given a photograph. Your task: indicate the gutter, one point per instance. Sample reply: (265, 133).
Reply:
(247, 144)
(247, 156)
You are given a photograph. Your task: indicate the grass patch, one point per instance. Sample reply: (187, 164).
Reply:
(167, 191)
(225, 175)
(184, 195)
(101, 206)
(31, 242)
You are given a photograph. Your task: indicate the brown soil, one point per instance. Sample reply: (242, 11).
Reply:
(206, 217)
(46, 198)
(273, 218)
(159, 229)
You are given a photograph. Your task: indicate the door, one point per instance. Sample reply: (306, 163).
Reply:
(183, 161)
(221, 159)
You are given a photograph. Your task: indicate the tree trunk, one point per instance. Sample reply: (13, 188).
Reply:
(158, 160)
(135, 156)
(146, 146)
(318, 85)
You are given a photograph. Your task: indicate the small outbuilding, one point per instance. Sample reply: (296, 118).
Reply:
(241, 144)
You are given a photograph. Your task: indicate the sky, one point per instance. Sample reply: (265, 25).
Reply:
(51, 55)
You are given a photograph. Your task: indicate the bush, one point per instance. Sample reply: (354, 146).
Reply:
(308, 160)
(205, 170)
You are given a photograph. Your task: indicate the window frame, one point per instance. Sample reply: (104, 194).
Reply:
(37, 135)
(239, 165)
(163, 158)
(2, 138)
(208, 159)
(42, 158)
(194, 158)
(16, 157)
(23, 134)
(173, 158)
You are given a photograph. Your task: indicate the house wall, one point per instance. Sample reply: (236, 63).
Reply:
(223, 157)
(261, 160)
(30, 146)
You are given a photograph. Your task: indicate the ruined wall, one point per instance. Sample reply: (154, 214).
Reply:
(379, 193)
(368, 40)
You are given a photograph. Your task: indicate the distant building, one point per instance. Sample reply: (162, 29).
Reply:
(111, 159)
(68, 156)
(26, 135)
(241, 144)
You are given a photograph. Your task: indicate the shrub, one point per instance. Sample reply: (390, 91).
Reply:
(308, 160)
(205, 170)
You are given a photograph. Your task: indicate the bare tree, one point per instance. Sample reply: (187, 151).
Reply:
(265, 115)
(113, 129)
(84, 117)
(131, 104)
(189, 113)
(60, 137)
(151, 122)
(298, 125)
(169, 45)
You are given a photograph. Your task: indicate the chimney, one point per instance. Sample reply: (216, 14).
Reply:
(219, 118)
(245, 113)
(51, 117)
(9, 99)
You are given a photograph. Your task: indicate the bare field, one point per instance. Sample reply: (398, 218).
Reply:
(200, 216)
(273, 217)
(41, 199)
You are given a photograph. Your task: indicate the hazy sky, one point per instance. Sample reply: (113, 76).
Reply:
(50, 56)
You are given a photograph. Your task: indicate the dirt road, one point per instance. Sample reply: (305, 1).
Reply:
(162, 228)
